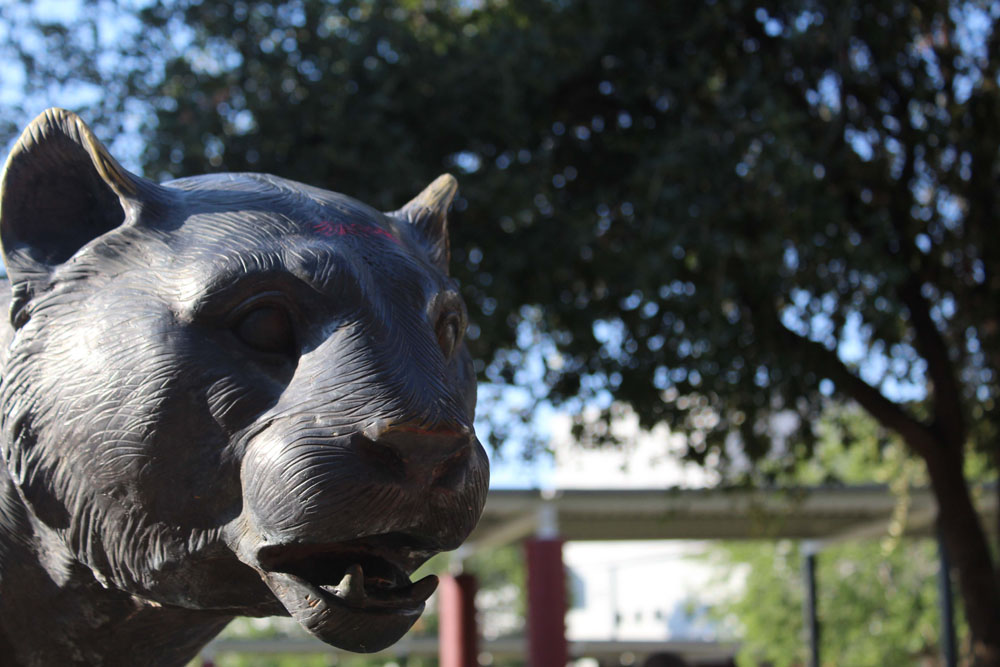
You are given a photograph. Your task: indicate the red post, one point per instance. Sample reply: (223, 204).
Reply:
(457, 632)
(546, 603)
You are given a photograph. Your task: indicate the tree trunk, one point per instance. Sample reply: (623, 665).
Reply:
(963, 533)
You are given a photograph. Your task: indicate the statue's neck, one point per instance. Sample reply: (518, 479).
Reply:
(57, 613)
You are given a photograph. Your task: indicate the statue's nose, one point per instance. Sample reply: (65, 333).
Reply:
(430, 457)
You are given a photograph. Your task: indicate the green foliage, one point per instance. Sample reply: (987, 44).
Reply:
(877, 607)
(850, 448)
(498, 568)
(502, 580)
(877, 600)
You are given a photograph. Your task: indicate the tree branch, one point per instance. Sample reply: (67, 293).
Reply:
(946, 397)
(889, 414)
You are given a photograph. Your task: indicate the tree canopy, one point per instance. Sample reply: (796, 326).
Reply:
(714, 213)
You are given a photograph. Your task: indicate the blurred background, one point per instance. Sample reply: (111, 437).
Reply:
(729, 249)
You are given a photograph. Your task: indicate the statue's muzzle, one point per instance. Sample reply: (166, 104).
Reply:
(336, 524)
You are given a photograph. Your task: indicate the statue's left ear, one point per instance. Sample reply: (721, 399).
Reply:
(428, 213)
(59, 190)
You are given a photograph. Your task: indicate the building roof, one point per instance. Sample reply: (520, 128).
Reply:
(824, 513)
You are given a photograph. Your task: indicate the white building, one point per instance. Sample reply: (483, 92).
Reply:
(633, 590)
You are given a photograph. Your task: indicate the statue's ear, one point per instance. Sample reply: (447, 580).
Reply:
(428, 213)
(60, 189)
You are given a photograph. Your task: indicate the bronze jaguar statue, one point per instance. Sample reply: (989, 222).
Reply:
(230, 394)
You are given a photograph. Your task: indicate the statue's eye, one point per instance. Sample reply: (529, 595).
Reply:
(447, 312)
(449, 329)
(266, 327)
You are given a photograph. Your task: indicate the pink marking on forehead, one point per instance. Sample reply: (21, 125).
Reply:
(330, 229)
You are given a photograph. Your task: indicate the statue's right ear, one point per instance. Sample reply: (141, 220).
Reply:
(60, 189)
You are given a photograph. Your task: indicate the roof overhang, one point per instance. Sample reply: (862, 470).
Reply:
(827, 513)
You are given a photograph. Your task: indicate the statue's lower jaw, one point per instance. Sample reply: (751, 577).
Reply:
(349, 614)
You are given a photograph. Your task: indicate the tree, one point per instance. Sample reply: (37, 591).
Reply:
(712, 212)
(91, 54)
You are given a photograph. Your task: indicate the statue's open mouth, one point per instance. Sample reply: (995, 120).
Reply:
(362, 582)
(356, 599)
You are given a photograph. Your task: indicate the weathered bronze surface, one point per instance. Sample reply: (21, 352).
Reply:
(224, 395)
